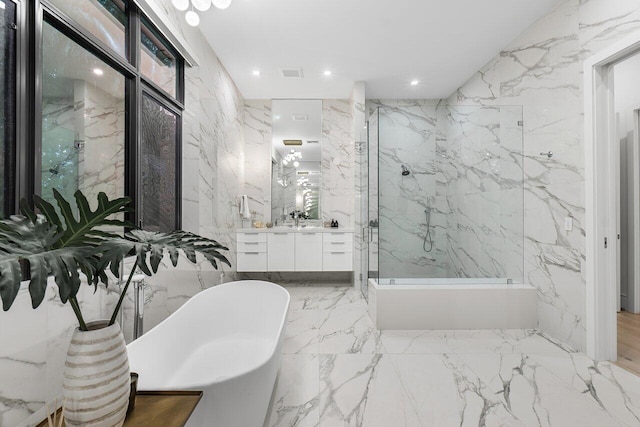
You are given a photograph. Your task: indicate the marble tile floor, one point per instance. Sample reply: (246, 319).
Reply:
(338, 370)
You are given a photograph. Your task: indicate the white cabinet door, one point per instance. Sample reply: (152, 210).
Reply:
(308, 255)
(281, 252)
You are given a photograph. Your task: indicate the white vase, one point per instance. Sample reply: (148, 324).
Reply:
(96, 381)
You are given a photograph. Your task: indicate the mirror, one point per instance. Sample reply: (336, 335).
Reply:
(296, 157)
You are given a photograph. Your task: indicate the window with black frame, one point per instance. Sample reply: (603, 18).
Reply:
(97, 132)
(8, 105)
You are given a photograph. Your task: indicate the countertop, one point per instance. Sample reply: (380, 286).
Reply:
(285, 229)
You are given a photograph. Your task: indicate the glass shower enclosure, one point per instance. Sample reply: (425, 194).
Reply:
(443, 193)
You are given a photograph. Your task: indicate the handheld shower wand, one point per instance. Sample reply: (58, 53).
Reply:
(427, 236)
(405, 171)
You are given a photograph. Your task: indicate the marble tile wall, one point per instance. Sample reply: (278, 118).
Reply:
(542, 71)
(258, 142)
(465, 180)
(406, 136)
(34, 348)
(360, 214)
(483, 180)
(101, 155)
(338, 162)
(58, 153)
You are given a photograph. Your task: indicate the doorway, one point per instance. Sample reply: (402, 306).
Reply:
(626, 107)
(612, 105)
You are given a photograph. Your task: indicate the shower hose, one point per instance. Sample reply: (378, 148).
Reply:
(427, 236)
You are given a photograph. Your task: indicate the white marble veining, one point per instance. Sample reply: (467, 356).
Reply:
(465, 166)
(542, 71)
(257, 159)
(338, 165)
(338, 370)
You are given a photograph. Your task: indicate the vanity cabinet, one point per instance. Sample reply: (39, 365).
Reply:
(280, 252)
(297, 250)
(308, 251)
(252, 252)
(337, 254)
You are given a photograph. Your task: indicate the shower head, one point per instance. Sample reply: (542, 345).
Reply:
(405, 171)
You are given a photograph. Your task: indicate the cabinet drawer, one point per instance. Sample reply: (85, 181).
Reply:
(337, 261)
(252, 246)
(338, 245)
(252, 261)
(251, 237)
(337, 236)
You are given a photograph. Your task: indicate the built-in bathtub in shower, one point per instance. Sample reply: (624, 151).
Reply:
(442, 210)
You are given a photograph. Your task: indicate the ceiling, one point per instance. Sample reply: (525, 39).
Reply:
(385, 43)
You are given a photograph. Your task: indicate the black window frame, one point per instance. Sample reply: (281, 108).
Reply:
(28, 153)
(11, 130)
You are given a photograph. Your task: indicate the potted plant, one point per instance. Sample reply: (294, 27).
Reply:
(69, 246)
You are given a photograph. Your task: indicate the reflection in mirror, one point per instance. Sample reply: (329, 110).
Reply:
(83, 121)
(296, 159)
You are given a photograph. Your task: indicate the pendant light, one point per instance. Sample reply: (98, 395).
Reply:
(201, 5)
(221, 4)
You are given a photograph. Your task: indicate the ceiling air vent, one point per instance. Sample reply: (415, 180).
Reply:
(292, 141)
(292, 73)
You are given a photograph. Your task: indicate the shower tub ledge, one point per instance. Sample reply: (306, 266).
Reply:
(452, 304)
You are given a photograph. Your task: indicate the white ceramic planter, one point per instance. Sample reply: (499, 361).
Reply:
(96, 381)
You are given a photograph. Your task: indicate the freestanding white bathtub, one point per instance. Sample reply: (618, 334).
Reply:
(225, 341)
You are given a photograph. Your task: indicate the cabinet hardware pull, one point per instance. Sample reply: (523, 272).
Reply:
(337, 253)
(338, 243)
(281, 234)
(251, 234)
(251, 243)
(252, 253)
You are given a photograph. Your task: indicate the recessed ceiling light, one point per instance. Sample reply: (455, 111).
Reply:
(415, 82)
(98, 72)
(327, 73)
(276, 117)
(256, 73)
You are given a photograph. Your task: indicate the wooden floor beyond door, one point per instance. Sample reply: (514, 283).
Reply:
(629, 341)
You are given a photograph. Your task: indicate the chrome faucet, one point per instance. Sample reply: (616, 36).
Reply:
(296, 218)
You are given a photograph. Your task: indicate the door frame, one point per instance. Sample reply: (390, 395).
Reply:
(634, 287)
(600, 203)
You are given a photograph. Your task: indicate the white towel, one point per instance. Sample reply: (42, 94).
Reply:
(245, 212)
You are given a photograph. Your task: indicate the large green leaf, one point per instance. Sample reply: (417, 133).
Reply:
(22, 239)
(56, 242)
(89, 226)
(150, 247)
